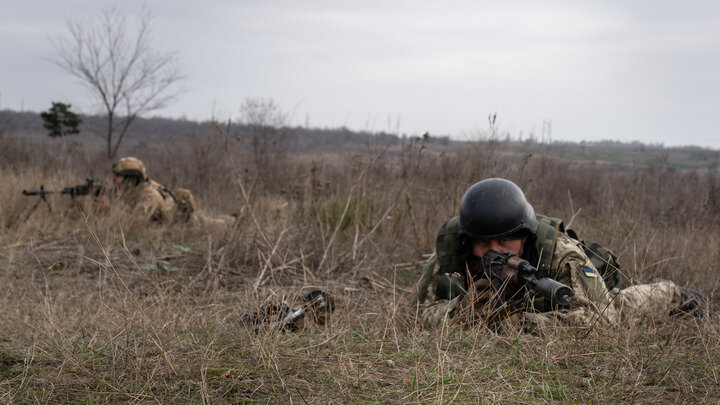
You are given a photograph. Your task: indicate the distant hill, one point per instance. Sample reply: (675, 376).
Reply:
(159, 131)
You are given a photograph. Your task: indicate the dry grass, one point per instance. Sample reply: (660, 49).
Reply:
(98, 309)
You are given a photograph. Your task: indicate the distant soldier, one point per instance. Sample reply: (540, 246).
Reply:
(147, 199)
(499, 262)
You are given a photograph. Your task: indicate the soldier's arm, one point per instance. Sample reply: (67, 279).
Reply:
(571, 266)
(467, 309)
(463, 309)
(591, 304)
(428, 308)
(428, 279)
(436, 312)
(148, 204)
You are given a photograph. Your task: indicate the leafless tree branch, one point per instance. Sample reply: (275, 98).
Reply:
(113, 59)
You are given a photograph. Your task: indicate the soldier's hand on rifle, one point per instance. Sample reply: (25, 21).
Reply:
(474, 301)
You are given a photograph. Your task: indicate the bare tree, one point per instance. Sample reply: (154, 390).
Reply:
(264, 120)
(113, 58)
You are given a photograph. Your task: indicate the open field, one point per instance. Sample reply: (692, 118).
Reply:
(99, 309)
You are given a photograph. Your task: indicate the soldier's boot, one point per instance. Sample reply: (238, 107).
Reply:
(694, 302)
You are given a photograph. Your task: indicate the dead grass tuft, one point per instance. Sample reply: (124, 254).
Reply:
(98, 309)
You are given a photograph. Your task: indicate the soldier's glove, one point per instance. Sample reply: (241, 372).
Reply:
(486, 299)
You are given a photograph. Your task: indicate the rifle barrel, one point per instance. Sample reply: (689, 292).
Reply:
(37, 191)
(557, 292)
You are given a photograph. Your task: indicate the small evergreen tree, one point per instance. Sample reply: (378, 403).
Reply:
(60, 121)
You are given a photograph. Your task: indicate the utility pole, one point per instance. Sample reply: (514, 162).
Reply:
(546, 132)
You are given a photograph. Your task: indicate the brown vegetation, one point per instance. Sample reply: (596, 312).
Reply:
(99, 309)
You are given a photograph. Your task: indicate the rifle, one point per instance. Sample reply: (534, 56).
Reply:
(73, 191)
(317, 302)
(279, 317)
(509, 269)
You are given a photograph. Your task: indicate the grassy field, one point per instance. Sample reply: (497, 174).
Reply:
(98, 308)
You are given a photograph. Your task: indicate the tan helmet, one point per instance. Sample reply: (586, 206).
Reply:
(130, 167)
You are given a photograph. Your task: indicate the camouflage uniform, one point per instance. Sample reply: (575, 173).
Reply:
(148, 200)
(593, 303)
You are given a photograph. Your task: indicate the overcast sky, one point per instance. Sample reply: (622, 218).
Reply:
(640, 70)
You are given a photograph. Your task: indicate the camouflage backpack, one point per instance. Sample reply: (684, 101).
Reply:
(452, 255)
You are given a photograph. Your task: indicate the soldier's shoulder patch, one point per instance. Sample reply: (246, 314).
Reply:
(590, 273)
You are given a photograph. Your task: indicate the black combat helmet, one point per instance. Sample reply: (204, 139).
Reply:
(496, 208)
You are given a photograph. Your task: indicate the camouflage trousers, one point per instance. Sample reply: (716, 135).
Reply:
(203, 219)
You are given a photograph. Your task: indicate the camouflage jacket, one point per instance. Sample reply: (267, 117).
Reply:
(148, 201)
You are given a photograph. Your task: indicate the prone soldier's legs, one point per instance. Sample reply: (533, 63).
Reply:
(646, 302)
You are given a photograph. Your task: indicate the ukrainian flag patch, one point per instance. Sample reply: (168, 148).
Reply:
(590, 273)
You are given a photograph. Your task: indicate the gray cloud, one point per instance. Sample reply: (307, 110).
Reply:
(619, 70)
